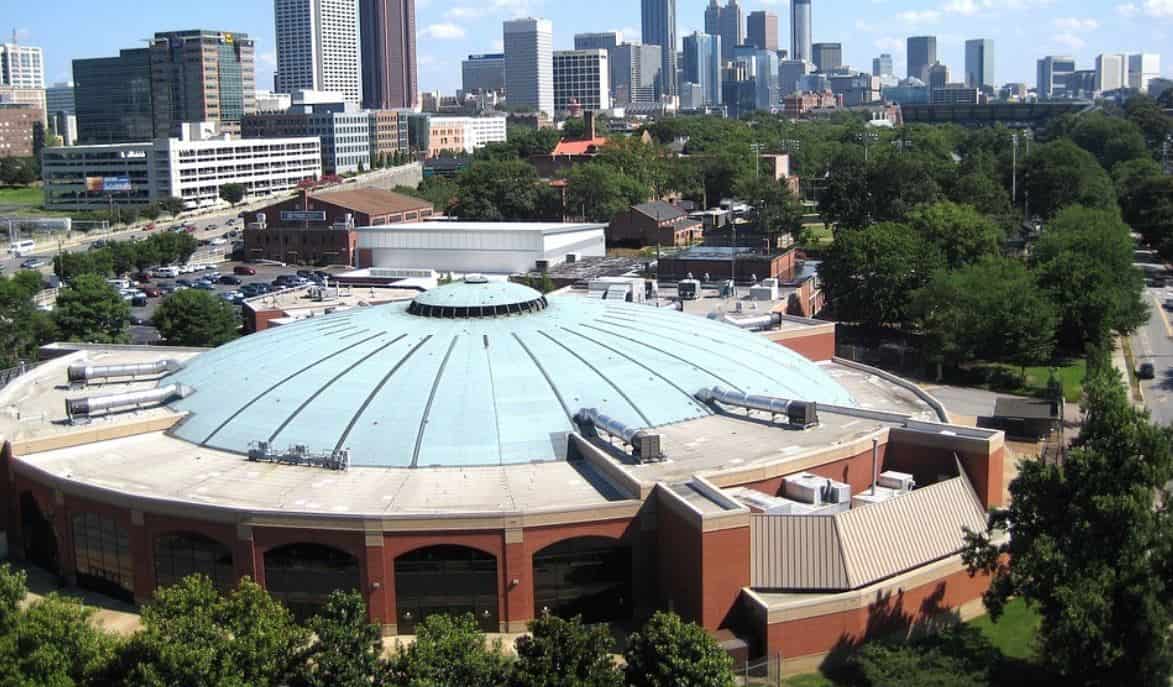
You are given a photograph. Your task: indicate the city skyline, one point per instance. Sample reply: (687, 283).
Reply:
(448, 33)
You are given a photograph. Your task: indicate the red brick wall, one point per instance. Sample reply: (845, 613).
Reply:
(886, 615)
(366, 258)
(724, 572)
(815, 347)
(926, 463)
(679, 564)
(258, 321)
(493, 543)
(855, 470)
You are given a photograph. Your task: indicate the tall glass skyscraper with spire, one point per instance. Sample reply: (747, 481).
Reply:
(659, 28)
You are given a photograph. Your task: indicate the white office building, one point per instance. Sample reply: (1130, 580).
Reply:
(192, 168)
(1142, 69)
(21, 66)
(317, 47)
(1111, 72)
(582, 77)
(479, 247)
(529, 64)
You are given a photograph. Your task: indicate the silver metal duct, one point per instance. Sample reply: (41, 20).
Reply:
(81, 374)
(757, 322)
(86, 407)
(645, 444)
(800, 413)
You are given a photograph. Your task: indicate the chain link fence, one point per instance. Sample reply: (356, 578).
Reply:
(764, 672)
(7, 375)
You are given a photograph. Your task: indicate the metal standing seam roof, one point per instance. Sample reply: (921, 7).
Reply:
(864, 545)
(401, 390)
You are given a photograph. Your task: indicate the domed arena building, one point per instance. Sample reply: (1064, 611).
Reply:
(487, 449)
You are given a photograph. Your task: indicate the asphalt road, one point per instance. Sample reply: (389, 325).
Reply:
(1153, 343)
(46, 251)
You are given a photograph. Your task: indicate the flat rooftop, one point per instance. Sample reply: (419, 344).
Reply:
(311, 301)
(545, 228)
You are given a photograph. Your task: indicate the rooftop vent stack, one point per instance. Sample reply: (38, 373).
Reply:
(83, 374)
(81, 408)
(875, 464)
(645, 445)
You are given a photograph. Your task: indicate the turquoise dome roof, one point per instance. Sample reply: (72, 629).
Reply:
(446, 380)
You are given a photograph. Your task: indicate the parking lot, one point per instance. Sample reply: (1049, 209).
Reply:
(141, 331)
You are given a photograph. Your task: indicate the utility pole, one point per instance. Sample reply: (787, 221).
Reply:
(1014, 168)
(756, 148)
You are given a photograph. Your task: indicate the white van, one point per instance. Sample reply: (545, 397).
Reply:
(120, 284)
(169, 272)
(19, 249)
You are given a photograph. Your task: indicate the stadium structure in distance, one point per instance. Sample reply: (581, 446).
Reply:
(487, 449)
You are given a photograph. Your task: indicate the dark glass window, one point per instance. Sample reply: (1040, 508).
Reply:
(180, 555)
(102, 549)
(587, 576)
(302, 576)
(452, 580)
(38, 535)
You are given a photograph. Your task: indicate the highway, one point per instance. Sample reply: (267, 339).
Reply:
(1153, 343)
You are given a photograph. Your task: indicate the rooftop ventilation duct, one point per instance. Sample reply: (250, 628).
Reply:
(80, 408)
(83, 374)
(299, 454)
(645, 445)
(798, 413)
(753, 323)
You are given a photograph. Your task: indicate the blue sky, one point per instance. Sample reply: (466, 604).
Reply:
(1023, 30)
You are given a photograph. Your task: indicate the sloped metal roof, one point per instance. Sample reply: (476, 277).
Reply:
(400, 390)
(864, 545)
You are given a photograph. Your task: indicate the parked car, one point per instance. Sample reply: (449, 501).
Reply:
(141, 278)
(203, 286)
(183, 282)
(233, 297)
(139, 301)
(244, 270)
(1168, 305)
(33, 263)
(152, 291)
(1146, 371)
(218, 241)
(229, 280)
(305, 274)
(166, 289)
(140, 321)
(166, 272)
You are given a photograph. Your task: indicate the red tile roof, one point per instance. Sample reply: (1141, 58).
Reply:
(581, 147)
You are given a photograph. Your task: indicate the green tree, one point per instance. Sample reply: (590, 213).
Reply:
(171, 205)
(68, 265)
(1111, 140)
(1148, 209)
(961, 233)
(1092, 546)
(565, 653)
(1084, 260)
(150, 211)
(347, 647)
(642, 162)
(1059, 174)
(501, 190)
(990, 310)
(1147, 114)
(232, 193)
(22, 326)
(574, 128)
(192, 635)
(956, 657)
(984, 193)
(196, 318)
(50, 641)
(439, 191)
(91, 311)
(668, 652)
(844, 200)
(449, 652)
(776, 210)
(1128, 174)
(599, 192)
(870, 274)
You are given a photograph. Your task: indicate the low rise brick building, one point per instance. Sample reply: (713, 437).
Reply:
(653, 224)
(747, 265)
(319, 229)
(22, 131)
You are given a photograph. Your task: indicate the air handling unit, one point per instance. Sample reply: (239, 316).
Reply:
(800, 414)
(645, 444)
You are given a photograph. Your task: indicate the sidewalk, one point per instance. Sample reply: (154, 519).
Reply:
(1127, 373)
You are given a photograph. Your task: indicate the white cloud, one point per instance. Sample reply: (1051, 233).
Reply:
(1076, 24)
(1128, 9)
(967, 8)
(919, 16)
(444, 31)
(269, 57)
(861, 25)
(509, 8)
(890, 44)
(1068, 40)
(1159, 8)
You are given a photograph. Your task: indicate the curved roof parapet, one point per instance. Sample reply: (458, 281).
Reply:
(402, 390)
(478, 297)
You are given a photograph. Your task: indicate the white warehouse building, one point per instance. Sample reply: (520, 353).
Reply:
(478, 247)
(192, 168)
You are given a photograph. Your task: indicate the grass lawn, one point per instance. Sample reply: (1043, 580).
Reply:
(1014, 632)
(21, 196)
(818, 234)
(1007, 378)
(808, 680)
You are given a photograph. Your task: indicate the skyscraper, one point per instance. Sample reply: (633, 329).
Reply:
(529, 63)
(658, 22)
(1053, 73)
(59, 98)
(732, 28)
(702, 65)
(882, 65)
(635, 74)
(389, 71)
(979, 64)
(800, 30)
(937, 76)
(582, 78)
(922, 54)
(762, 30)
(1111, 72)
(21, 66)
(201, 76)
(483, 73)
(607, 40)
(827, 56)
(317, 47)
(1142, 69)
(113, 98)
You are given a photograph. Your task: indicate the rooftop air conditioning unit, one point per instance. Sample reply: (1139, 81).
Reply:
(543, 266)
(836, 492)
(802, 414)
(571, 258)
(900, 481)
(869, 498)
(804, 487)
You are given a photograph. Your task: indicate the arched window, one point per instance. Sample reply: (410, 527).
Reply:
(182, 554)
(38, 535)
(587, 576)
(452, 580)
(102, 550)
(302, 576)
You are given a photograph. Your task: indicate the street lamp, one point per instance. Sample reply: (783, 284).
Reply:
(866, 138)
